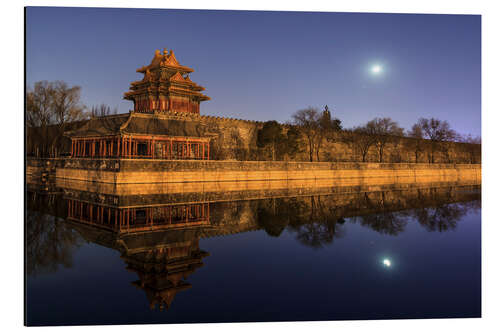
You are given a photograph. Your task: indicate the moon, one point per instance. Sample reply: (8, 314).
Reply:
(387, 262)
(376, 69)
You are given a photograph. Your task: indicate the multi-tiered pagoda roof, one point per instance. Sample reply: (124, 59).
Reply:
(166, 86)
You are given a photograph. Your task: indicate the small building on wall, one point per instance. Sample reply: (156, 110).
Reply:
(157, 127)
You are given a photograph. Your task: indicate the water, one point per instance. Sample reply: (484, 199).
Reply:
(357, 255)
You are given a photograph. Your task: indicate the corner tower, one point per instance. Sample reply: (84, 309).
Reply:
(166, 86)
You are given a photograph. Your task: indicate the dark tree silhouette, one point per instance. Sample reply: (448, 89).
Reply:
(271, 136)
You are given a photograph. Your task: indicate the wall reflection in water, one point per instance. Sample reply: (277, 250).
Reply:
(159, 241)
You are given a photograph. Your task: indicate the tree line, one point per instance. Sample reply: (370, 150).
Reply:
(51, 109)
(310, 131)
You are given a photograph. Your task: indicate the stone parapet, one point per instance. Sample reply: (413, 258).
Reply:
(167, 171)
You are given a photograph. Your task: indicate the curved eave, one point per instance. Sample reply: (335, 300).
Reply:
(166, 136)
(170, 67)
(177, 90)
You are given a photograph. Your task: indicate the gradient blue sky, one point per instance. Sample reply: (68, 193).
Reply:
(266, 65)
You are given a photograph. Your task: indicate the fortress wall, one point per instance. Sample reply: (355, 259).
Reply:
(165, 171)
(235, 139)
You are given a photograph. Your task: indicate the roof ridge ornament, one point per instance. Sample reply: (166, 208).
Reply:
(171, 60)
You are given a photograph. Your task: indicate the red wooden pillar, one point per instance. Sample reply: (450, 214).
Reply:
(208, 151)
(203, 151)
(121, 219)
(128, 218)
(153, 148)
(170, 152)
(129, 146)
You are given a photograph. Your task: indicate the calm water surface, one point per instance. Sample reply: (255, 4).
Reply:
(359, 256)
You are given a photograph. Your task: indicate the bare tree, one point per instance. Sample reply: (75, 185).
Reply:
(472, 147)
(307, 121)
(50, 106)
(39, 115)
(316, 126)
(66, 107)
(360, 140)
(66, 103)
(438, 132)
(39, 102)
(415, 141)
(384, 131)
(102, 111)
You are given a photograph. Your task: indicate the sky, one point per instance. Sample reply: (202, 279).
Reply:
(267, 65)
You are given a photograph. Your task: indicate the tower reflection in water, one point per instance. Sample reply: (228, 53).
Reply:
(160, 244)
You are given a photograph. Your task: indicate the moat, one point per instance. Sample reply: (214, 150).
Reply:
(354, 254)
